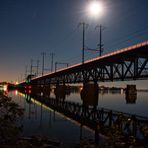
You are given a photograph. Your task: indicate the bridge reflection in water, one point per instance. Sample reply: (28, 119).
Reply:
(101, 120)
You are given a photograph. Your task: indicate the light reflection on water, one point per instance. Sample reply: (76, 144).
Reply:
(40, 120)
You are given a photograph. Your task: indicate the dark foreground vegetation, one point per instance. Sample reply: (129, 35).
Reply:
(10, 117)
(11, 126)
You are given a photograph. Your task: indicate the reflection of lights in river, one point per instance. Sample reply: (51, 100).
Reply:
(29, 91)
(52, 90)
(5, 88)
(81, 87)
(122, 91)
(42, 94)
(16, 92)
(21, 94)
(60, 114)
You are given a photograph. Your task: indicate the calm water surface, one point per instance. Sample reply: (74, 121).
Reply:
(115, 100)
(41, 120)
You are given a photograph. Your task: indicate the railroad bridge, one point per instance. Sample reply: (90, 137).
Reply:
(129, 63)
(125, 64)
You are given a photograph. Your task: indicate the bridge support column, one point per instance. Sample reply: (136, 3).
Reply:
(60, 92)
(89, 94)
(46, 90)
(131, 94)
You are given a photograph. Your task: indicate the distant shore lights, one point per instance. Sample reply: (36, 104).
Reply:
(5, 88)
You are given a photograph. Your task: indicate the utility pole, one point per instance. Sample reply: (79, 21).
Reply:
(37, 67)
(84, 25)
(55, 66)
(83, 46)
(31, 65)
(26, 71)
(43, 54)
(100, 46)
(52, 54)
(101, 28)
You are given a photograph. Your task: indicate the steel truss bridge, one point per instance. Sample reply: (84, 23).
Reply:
(129, 63)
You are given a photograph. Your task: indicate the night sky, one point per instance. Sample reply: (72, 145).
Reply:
(30, 27)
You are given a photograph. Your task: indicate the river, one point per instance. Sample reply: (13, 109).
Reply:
(42, 121)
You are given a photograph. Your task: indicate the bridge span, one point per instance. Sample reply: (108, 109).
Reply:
(129, 63)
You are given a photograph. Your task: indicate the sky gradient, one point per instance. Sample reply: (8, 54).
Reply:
(30, 27)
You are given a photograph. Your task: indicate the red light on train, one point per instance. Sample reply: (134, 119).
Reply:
(29, 86)
(29, 91)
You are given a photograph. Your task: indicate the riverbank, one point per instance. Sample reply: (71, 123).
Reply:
(11, 127)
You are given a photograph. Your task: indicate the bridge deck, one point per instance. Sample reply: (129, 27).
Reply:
(140, 49)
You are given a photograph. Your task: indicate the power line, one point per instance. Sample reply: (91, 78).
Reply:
(60, 63)
(128, 14)
(134, 35)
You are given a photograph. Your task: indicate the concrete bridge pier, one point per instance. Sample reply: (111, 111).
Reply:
(60, 92)
(46, 90)
(131, 94)
(89, 95)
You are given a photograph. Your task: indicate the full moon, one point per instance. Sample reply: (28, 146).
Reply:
(95, 8)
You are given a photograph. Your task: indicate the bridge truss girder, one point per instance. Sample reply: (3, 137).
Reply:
(134, 69)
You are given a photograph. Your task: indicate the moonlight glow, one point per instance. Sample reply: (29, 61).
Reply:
(95, 8)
